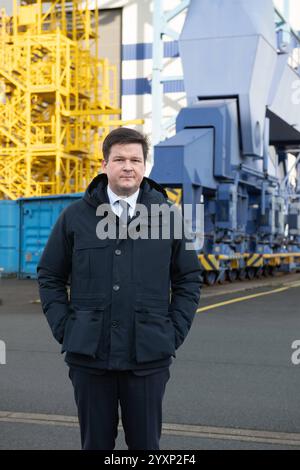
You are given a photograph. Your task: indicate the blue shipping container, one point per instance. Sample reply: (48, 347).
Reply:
(37, 218)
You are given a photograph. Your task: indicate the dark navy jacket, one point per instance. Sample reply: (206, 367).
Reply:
(131, 302)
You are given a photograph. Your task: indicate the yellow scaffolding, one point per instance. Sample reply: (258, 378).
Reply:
(58, 100)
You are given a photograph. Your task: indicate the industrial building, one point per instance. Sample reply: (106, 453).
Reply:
(215, 85)
(65, 84)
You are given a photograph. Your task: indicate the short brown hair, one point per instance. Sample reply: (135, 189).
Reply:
(124, 135)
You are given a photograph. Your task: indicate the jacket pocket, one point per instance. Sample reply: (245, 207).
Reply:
(89, 257)
(83, 332)
(154, 336)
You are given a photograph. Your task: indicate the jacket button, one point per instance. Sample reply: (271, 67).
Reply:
(114, 324)
(116, 287)
(118, 252)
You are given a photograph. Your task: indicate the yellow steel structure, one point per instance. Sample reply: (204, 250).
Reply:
(58, 100)
(174, 195)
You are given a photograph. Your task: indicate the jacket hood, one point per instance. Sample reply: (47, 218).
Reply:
(151, 192)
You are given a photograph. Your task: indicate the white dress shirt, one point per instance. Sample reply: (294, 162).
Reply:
(114, 201)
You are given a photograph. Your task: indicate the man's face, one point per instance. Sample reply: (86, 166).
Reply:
(125, 168)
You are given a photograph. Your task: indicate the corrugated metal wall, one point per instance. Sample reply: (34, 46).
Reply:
(37, 217)
(25, 226)
(9, 236)
(110, 40)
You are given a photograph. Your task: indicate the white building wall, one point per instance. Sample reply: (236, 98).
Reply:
(137, 38)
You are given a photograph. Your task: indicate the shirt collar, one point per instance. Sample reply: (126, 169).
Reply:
(113, 197)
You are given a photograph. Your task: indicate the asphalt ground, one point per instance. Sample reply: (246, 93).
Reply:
(233, 384)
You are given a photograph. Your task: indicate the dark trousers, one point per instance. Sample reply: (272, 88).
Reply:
(140, 396)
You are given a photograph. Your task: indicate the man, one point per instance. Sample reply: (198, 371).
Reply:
(120, 326)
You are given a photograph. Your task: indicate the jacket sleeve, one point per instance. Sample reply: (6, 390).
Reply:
(53, 272)
(186, 282)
